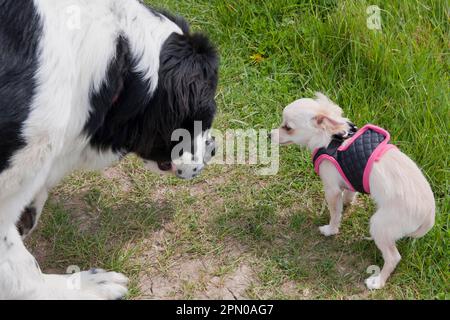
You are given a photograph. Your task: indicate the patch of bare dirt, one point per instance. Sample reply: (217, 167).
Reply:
(290, 288)
(81, 214)
(195, 277)
(117, 175)
(231, 286)
(205, 187)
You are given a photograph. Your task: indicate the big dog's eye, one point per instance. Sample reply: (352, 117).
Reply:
(287, 128)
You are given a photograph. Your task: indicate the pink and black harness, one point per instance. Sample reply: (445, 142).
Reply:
(355, 160)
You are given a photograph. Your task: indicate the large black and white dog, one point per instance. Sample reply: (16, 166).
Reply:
(83, 83)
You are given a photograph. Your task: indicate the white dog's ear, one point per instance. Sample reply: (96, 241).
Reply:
(326, 122)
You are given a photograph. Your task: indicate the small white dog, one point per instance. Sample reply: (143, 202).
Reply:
(348, 161)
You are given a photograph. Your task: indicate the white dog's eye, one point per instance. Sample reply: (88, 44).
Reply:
(287, 128)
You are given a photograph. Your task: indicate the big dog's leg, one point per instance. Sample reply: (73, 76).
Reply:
(21, 278)
(31, 214)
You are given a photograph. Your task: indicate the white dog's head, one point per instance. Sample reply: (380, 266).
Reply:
(311, 123)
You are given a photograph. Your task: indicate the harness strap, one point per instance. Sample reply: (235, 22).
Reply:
(336, 142)
(355, 160)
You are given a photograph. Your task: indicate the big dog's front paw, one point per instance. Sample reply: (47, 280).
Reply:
(99, 284)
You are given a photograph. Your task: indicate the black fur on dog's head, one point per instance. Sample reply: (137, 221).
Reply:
(186, 90)
(133, 121)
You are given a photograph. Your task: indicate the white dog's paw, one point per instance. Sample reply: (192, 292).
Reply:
(103, 285)
(374, 283)
(328, 231)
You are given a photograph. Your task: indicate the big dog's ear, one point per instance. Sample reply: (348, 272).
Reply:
(189, 65)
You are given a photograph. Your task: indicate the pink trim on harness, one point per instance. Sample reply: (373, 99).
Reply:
(382, 148)
(375, 157)
(336, 164)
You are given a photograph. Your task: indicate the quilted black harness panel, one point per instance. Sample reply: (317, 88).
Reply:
(353, 160)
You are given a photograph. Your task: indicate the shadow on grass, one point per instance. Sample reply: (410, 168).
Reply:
(291, 243)
(89, 229)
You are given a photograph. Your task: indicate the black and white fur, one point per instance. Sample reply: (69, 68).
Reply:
(82, 98)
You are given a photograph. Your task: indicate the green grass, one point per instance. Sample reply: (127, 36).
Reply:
(397, 78)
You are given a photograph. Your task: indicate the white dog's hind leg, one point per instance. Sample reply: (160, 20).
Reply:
(384, 234)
